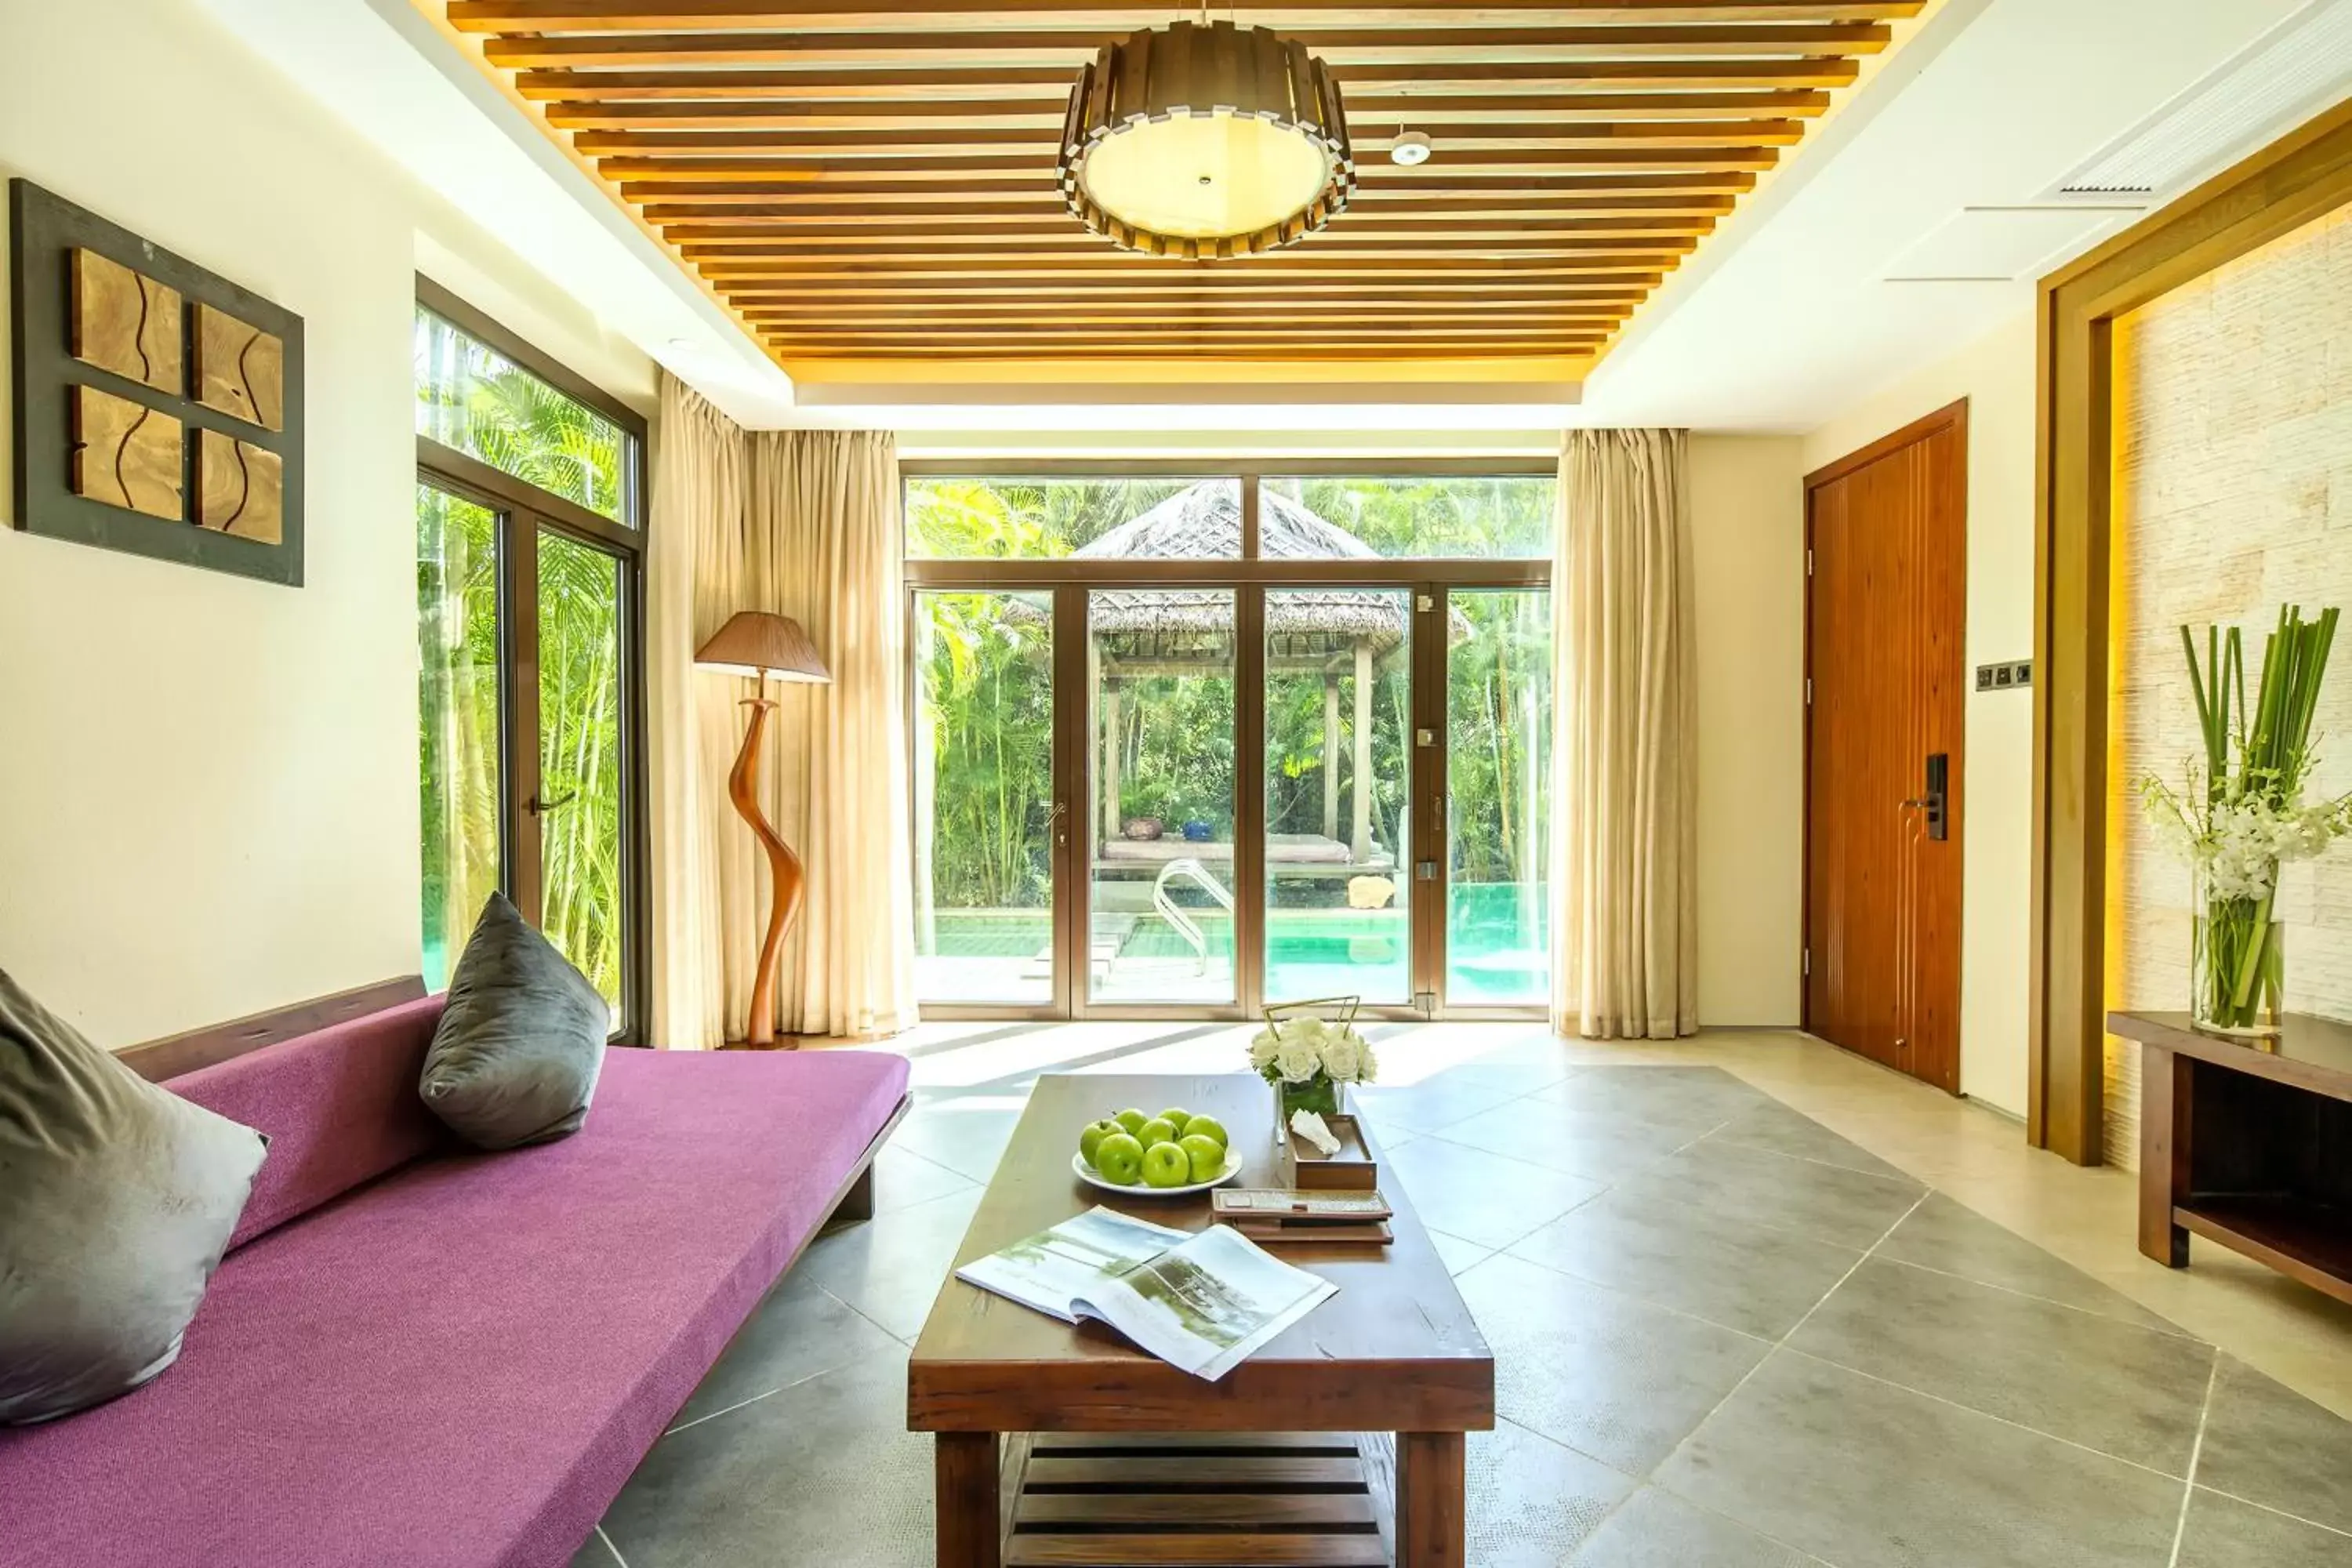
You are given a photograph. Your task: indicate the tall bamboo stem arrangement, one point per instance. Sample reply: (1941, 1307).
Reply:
(2242, 812)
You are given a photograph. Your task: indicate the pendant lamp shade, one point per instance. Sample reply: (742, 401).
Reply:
(1210, 140)
(765, 646)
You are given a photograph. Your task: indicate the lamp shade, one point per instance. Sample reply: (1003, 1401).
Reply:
(1205, 141)
(757, 644)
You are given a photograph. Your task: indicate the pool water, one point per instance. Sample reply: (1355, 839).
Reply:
(1497, 951)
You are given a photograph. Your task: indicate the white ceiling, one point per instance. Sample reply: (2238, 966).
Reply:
(1785, 317)
(1992, 105)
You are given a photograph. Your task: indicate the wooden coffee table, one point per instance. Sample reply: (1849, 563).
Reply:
(1240, 1477)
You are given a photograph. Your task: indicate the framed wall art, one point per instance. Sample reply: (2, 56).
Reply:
(157, 405)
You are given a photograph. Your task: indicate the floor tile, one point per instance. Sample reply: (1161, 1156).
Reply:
(1655, 1529)
(1598, 1145)
(1608, 1376)
(824, 1472)
(1437, 1101)
(1786, 1131)
(595, 1554)
(2222, 1532)
(968, 1139)
(798, 1332)
(2269, 1445)
(1530, 1501)
(903, 1179)
(1842, 1207)
(1745, 1277)
(2125, 1390)
(1698, 1098)
(1481, 1197)
(1942, 1234)
(891, 1268)
(1868, 1476)
(1456, 1253)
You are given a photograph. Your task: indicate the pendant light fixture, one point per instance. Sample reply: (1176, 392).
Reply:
(1205, 140)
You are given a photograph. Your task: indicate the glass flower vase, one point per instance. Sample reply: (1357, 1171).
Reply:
(2237, 963)
(1318, 1094)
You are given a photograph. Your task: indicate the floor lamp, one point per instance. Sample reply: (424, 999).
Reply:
(766, 648)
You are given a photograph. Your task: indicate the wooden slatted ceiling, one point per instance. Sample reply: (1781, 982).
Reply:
(877, 182)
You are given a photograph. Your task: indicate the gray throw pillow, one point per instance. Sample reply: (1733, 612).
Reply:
(116, 1199)
(515, 1057)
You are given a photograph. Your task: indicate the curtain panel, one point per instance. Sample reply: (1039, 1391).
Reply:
(1625, 766)
(803, 523)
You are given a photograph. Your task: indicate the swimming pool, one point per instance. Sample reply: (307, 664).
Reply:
(1498, 952)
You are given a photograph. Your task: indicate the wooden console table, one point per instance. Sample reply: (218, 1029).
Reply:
(2249, 1144)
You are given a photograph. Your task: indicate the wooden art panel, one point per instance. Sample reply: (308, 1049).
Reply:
(240, 369)
(240, 488)
(125, 322)
(126, 455)
(157, 406)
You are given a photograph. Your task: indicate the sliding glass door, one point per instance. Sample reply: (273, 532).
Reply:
(1191, 746)
(1497, 799)
(1161, 817)
(986, 818)
(1338, 712)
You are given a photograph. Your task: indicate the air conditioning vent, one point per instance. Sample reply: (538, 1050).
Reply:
(2283, 76)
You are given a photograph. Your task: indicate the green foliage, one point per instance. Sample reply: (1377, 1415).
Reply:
(986, 697)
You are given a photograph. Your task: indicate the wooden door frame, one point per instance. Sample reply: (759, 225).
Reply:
(2302, 176)
(1248, 576)
(1954, 418)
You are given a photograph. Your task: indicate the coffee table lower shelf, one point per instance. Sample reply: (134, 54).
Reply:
(1241, 1500)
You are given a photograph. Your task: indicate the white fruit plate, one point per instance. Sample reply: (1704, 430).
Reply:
(1094, 1178)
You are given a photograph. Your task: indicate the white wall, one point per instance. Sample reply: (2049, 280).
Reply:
(208, 785)
(1996, 376)
(1747, 528)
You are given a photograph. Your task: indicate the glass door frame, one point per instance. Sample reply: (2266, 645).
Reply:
(1428, 580)
(523, 512)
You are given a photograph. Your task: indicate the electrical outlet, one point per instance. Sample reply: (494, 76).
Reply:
(2001, 677)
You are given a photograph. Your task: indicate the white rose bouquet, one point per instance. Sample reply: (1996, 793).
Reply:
(2240, 812)
(1306, 1059)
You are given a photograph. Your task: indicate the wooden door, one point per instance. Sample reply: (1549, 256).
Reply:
(1886, 547)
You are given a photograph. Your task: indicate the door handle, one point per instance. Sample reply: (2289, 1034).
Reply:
(539, 808)
(1939, 772)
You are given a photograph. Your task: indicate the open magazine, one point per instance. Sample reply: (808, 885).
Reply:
(1202, 1301)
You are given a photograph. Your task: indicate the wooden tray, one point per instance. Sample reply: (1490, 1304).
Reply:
(1352, 1169)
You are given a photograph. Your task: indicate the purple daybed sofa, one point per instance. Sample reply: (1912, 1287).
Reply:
(419, 1357)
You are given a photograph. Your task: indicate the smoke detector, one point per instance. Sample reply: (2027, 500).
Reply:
(1412, 149)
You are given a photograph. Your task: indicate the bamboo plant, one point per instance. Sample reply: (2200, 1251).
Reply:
(2241, 814)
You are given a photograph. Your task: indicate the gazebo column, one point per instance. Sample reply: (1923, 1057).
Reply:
(1360, 838)
(1111, 824)
(1331, 756)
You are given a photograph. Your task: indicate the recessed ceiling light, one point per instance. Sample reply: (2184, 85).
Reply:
(1412, 149)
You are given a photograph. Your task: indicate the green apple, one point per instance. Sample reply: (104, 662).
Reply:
(1165, 1165)
(1090, 1138)
(1119, 1158)
(1207, 1127)
(1176, 1118)
(1207, 1155)
(1132, 1121)
(1157, 1130)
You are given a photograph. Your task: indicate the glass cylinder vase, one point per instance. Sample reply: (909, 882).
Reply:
(2237, 962)
(1318, 1094)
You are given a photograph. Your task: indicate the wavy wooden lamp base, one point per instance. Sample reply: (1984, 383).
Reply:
(784, 873)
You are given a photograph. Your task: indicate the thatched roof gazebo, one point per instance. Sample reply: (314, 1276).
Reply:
(1332, 632)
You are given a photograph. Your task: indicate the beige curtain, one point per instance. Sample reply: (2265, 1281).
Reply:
(1624, 942)
(803, 523)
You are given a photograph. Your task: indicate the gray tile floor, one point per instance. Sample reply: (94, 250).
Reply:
(1723, 1335)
